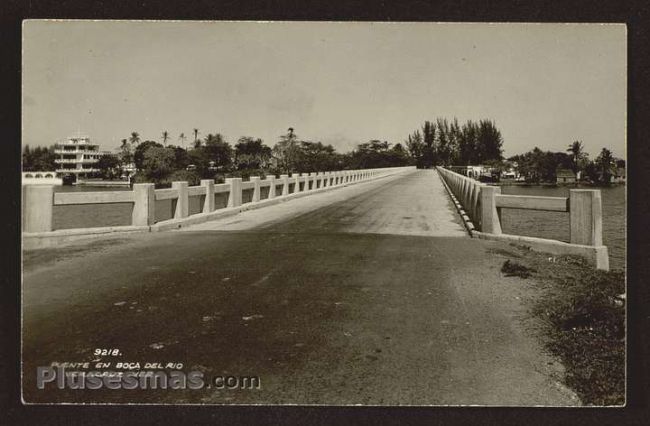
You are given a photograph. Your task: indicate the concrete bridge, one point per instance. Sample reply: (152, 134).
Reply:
(371, 293)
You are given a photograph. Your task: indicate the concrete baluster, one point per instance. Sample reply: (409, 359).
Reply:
(234, 198)
(285, 185)
(182, 203)
(307, 180)
(208, 203)
(256, 188)
(272, 186)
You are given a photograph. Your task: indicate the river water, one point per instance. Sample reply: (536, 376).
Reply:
(554, 225)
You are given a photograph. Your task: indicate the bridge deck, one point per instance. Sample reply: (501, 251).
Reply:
(364, 301)
(412, 204)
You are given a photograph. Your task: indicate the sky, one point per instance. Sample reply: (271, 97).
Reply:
(544, 85)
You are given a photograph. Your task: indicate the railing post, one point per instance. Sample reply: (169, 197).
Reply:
(256, 189)
(208, 204)
(586, 217)
(306, 187)
(489, 216)
(38, 204)
(182, 203)
(272, 184)
(285, 185)
(296, 177)
(144, 213)
(234, 199)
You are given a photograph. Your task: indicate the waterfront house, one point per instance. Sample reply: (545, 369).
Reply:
(511, 173)
(77, 156)
(565, 176)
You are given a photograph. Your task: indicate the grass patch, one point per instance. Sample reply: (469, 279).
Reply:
(583, 312)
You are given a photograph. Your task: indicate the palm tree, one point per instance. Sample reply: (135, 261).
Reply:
(135, 138)
(182, 138)
(577, 153)
(165, 136)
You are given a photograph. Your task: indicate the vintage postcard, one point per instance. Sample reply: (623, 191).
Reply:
(323, 213)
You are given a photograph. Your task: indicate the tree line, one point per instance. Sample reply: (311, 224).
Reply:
(542, 166)
(439, 142)
(213, 157)
(444, 143)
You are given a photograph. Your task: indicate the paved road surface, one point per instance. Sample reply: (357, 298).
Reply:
(369, 294)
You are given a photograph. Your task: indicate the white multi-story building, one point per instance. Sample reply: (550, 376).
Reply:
(77, 156)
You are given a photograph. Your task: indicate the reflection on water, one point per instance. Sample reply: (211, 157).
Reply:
(555, 225)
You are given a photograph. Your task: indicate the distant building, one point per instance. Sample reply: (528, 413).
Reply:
(565, 176)
(77, 156)
(511, 172)
(469, 171)
(128, 170)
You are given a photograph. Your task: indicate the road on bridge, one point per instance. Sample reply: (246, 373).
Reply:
(368, 294)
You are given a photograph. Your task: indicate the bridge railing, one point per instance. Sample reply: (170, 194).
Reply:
(467, 191)
(483, 204)
(38, 200)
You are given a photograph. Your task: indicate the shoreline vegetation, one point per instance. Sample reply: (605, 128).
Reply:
(562, 184)
(440, 142)
(582, 317)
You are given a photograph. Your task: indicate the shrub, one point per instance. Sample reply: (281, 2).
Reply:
(184, 175)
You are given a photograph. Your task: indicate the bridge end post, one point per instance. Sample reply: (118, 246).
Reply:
(144, 205)
(38, 201)
(586, 217)
(490, 222)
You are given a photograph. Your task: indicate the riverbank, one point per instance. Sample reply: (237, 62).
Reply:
(582, 313)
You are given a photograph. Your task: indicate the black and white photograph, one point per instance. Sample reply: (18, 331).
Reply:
(308, 213)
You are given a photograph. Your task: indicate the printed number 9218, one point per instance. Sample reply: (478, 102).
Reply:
(107, 352)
